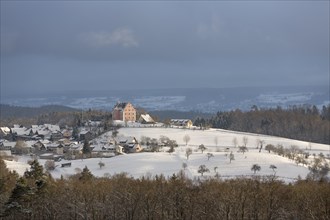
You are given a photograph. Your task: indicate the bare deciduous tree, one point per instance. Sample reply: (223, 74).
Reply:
(216, 141)
(231, 157)
(50, 165)
(209, 155)
(235, 142)
(273, 167)
(203, 169)
(242, 149)
(202, 147)
(184, 166)
(101, 164)
(245, 140)
(188, 152)
(186, 139)
(255, 168)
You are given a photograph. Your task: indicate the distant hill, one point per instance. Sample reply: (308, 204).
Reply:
(209, 100)
(8, 111)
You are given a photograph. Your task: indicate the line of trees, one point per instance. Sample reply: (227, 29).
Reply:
(306, 123)
(62, 118)
(37, 196)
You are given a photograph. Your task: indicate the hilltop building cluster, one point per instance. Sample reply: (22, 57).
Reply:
(48, 141)
(125, 111)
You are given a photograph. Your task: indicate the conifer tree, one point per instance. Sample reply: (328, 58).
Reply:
(86, 174)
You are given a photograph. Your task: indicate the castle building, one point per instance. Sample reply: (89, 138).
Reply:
(124, 111)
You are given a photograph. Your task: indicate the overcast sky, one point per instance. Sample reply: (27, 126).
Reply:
(78, 45)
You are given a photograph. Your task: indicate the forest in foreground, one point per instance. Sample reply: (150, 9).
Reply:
(37, 195)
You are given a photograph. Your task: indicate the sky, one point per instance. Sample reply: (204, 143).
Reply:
(49, 46)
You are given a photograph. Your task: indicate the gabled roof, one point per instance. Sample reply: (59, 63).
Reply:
(126, 140)
(147, 118)
(83, 132)
(45, 129)
(21, 131)
(5, 130)
(121, 105)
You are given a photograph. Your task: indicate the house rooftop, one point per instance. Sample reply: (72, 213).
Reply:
(147, 118)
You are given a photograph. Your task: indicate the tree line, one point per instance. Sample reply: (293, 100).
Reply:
(62, 118)
(37, 195)
(306, 123)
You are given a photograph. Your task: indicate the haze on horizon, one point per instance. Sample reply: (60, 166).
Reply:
(47, 46)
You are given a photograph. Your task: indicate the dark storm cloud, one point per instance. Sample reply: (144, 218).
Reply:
(212, 44)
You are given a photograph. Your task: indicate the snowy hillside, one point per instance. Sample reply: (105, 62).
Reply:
(224, 138)
(142, 164)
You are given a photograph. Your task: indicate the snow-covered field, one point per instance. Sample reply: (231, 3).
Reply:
(142, 164)
(224, 138)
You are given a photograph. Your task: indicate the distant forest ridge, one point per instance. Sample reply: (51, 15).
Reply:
(9, 111)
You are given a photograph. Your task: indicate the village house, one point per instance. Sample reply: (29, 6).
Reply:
(4, 131)
(7, 145)
(124, 111)
(21, 133)
(85, 135)
(129, 144)
(104, 150)
(5, 151)
(146, 119)
(67, 133)
(40, 146)
(187, 123)
(55, 148)
(47, 131)
(55, 136)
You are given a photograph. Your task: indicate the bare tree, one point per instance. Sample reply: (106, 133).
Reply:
(269, 147)
(209, 155)
(235, 142)
(186, 139)
(21, 147)
(231, 157)
(202, 147)
(50, 165)
(171, 150)
(260, 144)
(255, 168)
(319, 169)
(184, 166)
(273, 167)
(101, 164)
(188, 152)
(242, 149)
(77, 170)
(203, 169)
(245, 141)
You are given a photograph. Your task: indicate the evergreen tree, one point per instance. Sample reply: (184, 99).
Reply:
(36, 171)
(86, 147)
(17, 198)
(86, 174)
